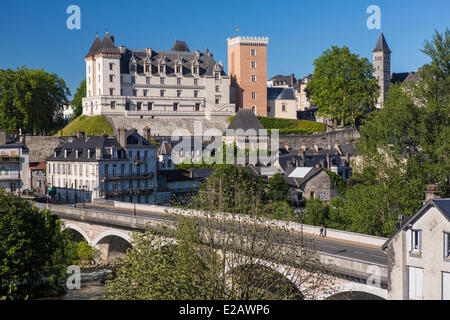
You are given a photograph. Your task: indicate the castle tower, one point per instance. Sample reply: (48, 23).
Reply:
(382, 68)
(247, 68)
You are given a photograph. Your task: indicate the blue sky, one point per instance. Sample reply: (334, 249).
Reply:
(34, 33)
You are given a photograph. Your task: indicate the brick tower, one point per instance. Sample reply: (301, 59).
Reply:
(247, 68)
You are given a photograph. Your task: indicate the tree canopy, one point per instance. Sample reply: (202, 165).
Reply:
(31, 100)
(78, 99)
(33, 251)
(343, 87)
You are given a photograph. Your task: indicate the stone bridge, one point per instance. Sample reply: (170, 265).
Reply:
(111, 233)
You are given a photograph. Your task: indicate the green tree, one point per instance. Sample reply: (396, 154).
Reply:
(343, 87)
(33, 251)
(278, 188)
(31, 100)
(316, 212)
(77, 99)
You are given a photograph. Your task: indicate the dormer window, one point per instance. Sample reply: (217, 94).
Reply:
(162, 69)
(147, 68)
(195, 70)
(133, 67)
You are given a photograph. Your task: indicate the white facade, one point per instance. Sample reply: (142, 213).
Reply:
(419, 257)
(123, 174)
(123, 82)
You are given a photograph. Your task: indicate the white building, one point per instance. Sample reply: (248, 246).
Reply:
(14, 165)
(128, 82)
(419, 255)
(122, 168)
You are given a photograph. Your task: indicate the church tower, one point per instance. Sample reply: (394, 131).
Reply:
(382, 68)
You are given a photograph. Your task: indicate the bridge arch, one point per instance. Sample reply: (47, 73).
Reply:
(267, 280)
(357, 291)
(71, 226)
(112, 244)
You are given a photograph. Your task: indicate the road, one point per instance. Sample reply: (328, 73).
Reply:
(325, 245)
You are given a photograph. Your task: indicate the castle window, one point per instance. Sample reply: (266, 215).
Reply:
(133, 79)
(253, 78)
(145, 93)
(150, 106)
(195, 70)
(253, 64)
(161, 92)
(111, 91)
(254, 109)
(138, 106)
(135, 93)
(111, 78)
(217, 89)
(147, 80)
(147, 68)
(195, 93)
(127, 106)
(133, 67)
(111, 66)
(253, 95)
(195, 82)
(178, 80)
(175, 106)
(178, 93)
(161, 80)
(217, 100)
(253, 52)
(161, 69)
(283, 108)
(178, 69)
(197, 106)
(113, 104)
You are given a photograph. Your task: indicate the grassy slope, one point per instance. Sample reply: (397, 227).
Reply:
(95, 125)
(287, 126)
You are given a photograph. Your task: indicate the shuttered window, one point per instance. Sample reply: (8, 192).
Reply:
(445, 285)
(415, 283)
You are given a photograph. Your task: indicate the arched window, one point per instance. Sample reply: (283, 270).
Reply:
(254, 109)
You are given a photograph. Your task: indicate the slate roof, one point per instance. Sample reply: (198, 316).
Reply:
(405, 77)
(443, 205)
(280, 94)
(299, 182)
(185, 174)
(164, 149)
(245, 119)
(180, 50)
(180, 46)
(283, 80)
(91, 143)
(382, 45)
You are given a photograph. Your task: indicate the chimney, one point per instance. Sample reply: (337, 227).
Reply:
(148, 51)
(122, 137)
(316, 149)
(338, 149)
(112, 38)
(296, 162)
(432, 192)
(2, 136)
(292, 79)
(89, 153)
(147, 133)
(105, 135)
(328, 161)
(65, 153)
(76, 153)
(122, 49)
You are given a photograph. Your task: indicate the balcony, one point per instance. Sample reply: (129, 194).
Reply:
(133, 176)
(9, 159)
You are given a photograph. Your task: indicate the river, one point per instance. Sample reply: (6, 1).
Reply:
(92, 285)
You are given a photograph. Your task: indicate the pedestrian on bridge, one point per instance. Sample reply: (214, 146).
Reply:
(321, 231)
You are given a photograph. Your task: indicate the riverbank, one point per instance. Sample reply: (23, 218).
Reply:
(92, 284)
